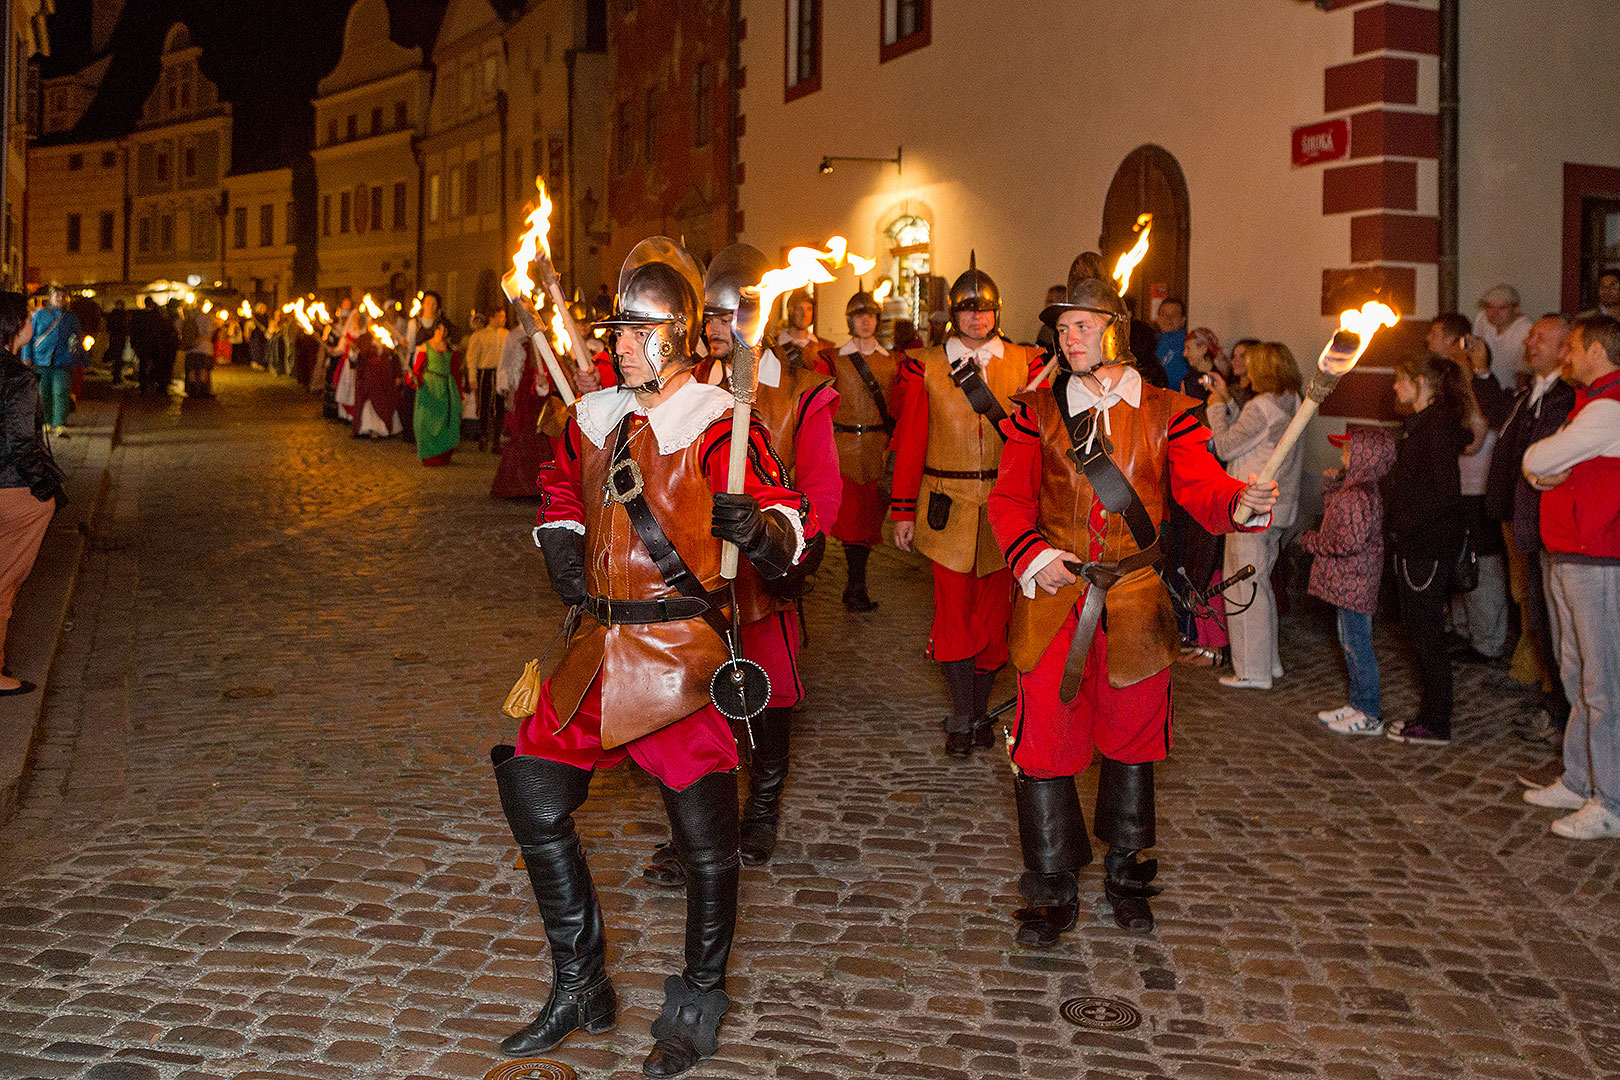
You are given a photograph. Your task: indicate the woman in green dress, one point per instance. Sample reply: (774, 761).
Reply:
(436, 374)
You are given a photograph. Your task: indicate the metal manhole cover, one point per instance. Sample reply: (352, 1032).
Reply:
(1101, 1014)
(531, 1069)
(409, 657)
(237, 693)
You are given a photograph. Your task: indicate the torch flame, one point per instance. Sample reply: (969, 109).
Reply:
(416, 306)
(371, 307)
(1340, 356)
(295, 308)
(318, 310)
(246, 310)
(88, 343)
(559, 332)
(208, 305)
(533, 245)
(885, 287)
(1128, 261)
(384, 338)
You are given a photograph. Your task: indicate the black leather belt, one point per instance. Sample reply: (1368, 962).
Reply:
(610, 612)
(858, 429)
(955, 474)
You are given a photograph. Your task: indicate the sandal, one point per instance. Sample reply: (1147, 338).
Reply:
(1201, 657)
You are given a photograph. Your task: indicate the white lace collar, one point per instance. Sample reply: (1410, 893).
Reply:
(1081, 398)
(677, 423)
(853, 346)
(956, 349)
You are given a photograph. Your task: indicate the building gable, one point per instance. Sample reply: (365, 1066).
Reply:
(369, 54)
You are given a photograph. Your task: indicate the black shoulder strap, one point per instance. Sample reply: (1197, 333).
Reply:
(869, 380)
(968, 376)
(624, 485)
(1112, 486)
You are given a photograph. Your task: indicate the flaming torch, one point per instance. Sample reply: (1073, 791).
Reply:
(805, 266)
(1355, 333)
(881, 293)
(519, 287)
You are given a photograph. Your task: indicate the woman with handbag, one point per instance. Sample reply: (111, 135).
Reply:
(1423, 515)
(30, 481)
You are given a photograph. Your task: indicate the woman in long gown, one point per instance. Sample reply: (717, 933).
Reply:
(436, 375)
(376, 384)
(526, 448)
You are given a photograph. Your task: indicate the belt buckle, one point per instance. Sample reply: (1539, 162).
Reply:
(620, 492)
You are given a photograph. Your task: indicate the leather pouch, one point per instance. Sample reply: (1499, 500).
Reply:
(939, 510)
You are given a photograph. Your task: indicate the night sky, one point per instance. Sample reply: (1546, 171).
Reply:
(266, 56)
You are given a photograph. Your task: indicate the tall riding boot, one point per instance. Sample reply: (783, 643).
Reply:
(703, 822)
(1052, 832)
(1125, 816)
(767, 771)
(855, 598)
(959, 726)
(984, 729)
(539, 798)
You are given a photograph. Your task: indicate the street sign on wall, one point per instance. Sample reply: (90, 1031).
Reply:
(1325, 141)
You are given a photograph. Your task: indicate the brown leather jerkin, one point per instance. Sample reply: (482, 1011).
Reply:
(1143, 638)
(657, 673)
(863, 455)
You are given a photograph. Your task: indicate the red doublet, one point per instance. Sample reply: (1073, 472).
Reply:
(860, 513)
(1130, 724)
(697, 744)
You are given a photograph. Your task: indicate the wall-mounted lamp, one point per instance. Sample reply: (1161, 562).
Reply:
(827, 161)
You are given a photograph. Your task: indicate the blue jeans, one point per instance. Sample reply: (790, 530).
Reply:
(1586, 606)
(55, 390)
(1355, 638)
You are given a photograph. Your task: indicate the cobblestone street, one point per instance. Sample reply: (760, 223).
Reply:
(262, 840)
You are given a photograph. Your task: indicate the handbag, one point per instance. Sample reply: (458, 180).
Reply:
(524, 698)
(1465, 575)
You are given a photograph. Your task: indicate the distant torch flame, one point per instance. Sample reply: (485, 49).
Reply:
(88, 343)
(384, 338)
(559, 332)
(416, 306)
(318, 310)
(1342, 353)
(371, 306)
(208, 305)
(246, 310)
(296, 309)
(1128, 261)
(533, 244)
(885, 287)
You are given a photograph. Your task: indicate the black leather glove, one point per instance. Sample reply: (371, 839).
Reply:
(564, 550)
(765, 539)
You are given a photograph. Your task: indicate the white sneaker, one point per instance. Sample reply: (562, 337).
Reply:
(1358, 723)
(1555, 796)
(1238, 682)
(1327, 716)
(1590, 822)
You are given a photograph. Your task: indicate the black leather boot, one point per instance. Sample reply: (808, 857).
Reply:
(1125, 822)
(855, 598)
(984, 729)
(767, 772)
(664, 869)
(960, 724)
(703, 821)
(1052, 833)
(539, 798)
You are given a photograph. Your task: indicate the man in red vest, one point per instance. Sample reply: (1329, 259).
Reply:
(1578, 469)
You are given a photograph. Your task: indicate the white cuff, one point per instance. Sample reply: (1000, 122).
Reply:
(1036, 565)
(571, 526)
(792, 517)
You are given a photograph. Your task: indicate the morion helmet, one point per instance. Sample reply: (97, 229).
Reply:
(862, 303)
(1089, 290)
(976, 291)
(659, 286)
(732, 270)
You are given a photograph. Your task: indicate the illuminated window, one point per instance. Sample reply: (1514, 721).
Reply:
(910, 261)
(433, 197)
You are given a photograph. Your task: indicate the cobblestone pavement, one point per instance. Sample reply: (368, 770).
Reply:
(262, 839)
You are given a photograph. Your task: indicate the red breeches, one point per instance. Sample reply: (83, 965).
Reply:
(860, 514)
(970, 617)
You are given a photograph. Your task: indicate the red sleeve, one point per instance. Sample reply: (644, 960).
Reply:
(562, 497)
(822, 361)
(1198, 481)
(418, 365)
(604, 370)
(763, 479)
(1015, 499)
(815, 455)
(910, 442)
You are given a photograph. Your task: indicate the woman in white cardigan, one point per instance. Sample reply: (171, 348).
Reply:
(1243, 440)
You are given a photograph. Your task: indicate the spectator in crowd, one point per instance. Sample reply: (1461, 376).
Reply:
(1480, 616)
(258, 341)
(117, 337)
(1349, 550)
(1423, 520)
(1503, 327)
(1243, 439)
(30, 482)
(1194, 551)
(55, 348)
(1202, 353)
(1046, 338)
(1171, 319)
(1578, 468)
(1608, 294)
(1538, 411)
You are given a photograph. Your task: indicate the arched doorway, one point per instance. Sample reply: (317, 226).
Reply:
(907, 260)
(1149, 180)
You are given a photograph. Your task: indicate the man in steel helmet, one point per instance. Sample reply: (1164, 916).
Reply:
(865, 374)
(796, 339)
(947, 448)
(1086, 478)
(632, 515)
